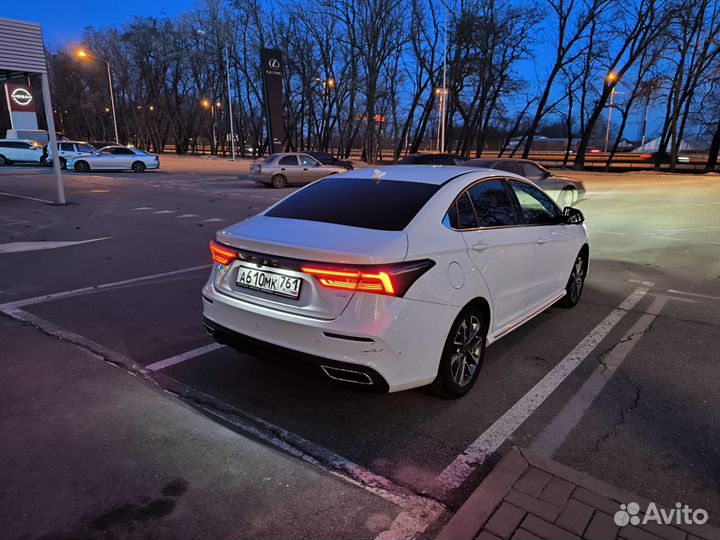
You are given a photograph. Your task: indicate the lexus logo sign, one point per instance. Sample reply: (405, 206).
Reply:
(274, 63)
(22, 97)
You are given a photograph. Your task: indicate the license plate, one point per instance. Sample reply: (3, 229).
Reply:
(269, 282)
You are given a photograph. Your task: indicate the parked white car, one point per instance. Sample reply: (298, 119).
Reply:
(395, 277)
(67, 150)
(115, 158)
(20, 151)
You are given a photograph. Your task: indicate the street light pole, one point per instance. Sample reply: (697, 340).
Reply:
(611, 79)
(230, 110)
(443, 96)
(112, 102)
(607, 132)
(84, 54)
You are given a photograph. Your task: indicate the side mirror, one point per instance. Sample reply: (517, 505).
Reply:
(572, 216)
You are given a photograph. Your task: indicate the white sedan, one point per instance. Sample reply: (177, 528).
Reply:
(115, 158)
(396, 277)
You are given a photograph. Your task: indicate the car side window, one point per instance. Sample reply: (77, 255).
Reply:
(508, 166)
(123, 151)
(106, 152)
(532, 171)
(67, 147)
(84, 148)
(307, 161)
(466, 213)
(288, 160)
(536, 207)
(492, 204)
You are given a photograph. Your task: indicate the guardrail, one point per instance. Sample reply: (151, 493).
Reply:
(594, 161)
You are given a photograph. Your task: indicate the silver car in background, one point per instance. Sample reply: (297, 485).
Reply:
(566, 191)
(281, 170)
(67, 150)
(115, 158)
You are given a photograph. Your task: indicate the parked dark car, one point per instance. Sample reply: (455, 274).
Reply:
(566, 191)
(99, 145)
(329, 159)
(664, 157)
(432, 159)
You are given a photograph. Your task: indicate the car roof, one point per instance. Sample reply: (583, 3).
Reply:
(426, 174)
(500, 159)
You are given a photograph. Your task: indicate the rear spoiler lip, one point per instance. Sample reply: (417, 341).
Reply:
(293, 263)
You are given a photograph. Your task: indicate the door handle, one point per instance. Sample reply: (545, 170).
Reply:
(480, 246)
(304, 169)
(282, 168)
(542, 240)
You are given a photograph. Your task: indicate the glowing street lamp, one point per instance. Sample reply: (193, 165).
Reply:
(442, 94)
(611, 80)
(86, 55)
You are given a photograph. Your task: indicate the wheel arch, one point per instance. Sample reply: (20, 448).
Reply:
(484, 305)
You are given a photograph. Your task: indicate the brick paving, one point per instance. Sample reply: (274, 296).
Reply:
(527, 497)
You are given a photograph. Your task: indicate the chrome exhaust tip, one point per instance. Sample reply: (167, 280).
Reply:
(347, 375)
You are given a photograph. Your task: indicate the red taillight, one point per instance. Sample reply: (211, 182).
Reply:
(392, 280)
(646, 156)
(222, 254)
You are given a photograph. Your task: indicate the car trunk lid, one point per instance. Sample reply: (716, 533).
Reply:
(282, 247)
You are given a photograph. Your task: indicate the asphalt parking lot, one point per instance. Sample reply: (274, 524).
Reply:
(117, 273)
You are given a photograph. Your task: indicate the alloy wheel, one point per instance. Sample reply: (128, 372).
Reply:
(577, 279)
(468, 347)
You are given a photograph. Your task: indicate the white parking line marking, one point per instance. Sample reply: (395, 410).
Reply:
(488, 442)
(178, 358)
(698, 295)
(26, 197)
(648, 283)
(608, 232)
(664, 237)
(96, 288)
(212, 219)
(18, 247)
(164, 212)
(697, 229)
(143, 208)
(187, 216)
(14, 223)
(557, 431)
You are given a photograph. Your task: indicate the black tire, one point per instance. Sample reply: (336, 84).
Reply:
(3, 161)
(45, 162)
(138, 167)
(82, 166)
(279, 181)
(576, 282)
(462, 355)
(63, 163)
(567, 197)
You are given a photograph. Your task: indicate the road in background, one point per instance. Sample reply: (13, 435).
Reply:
(651, 429)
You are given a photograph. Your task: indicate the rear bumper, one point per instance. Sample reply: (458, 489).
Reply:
(343, 372)
(260, 177)
(397, 341)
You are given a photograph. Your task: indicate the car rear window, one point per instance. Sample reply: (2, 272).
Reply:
(385, 205)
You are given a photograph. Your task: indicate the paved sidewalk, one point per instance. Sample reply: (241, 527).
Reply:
(528, 497)
(89, 451)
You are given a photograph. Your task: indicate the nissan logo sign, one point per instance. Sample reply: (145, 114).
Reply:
(21, 97)
(274, 63)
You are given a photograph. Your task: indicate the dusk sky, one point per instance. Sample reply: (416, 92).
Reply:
(62, 26)
(61, 23)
